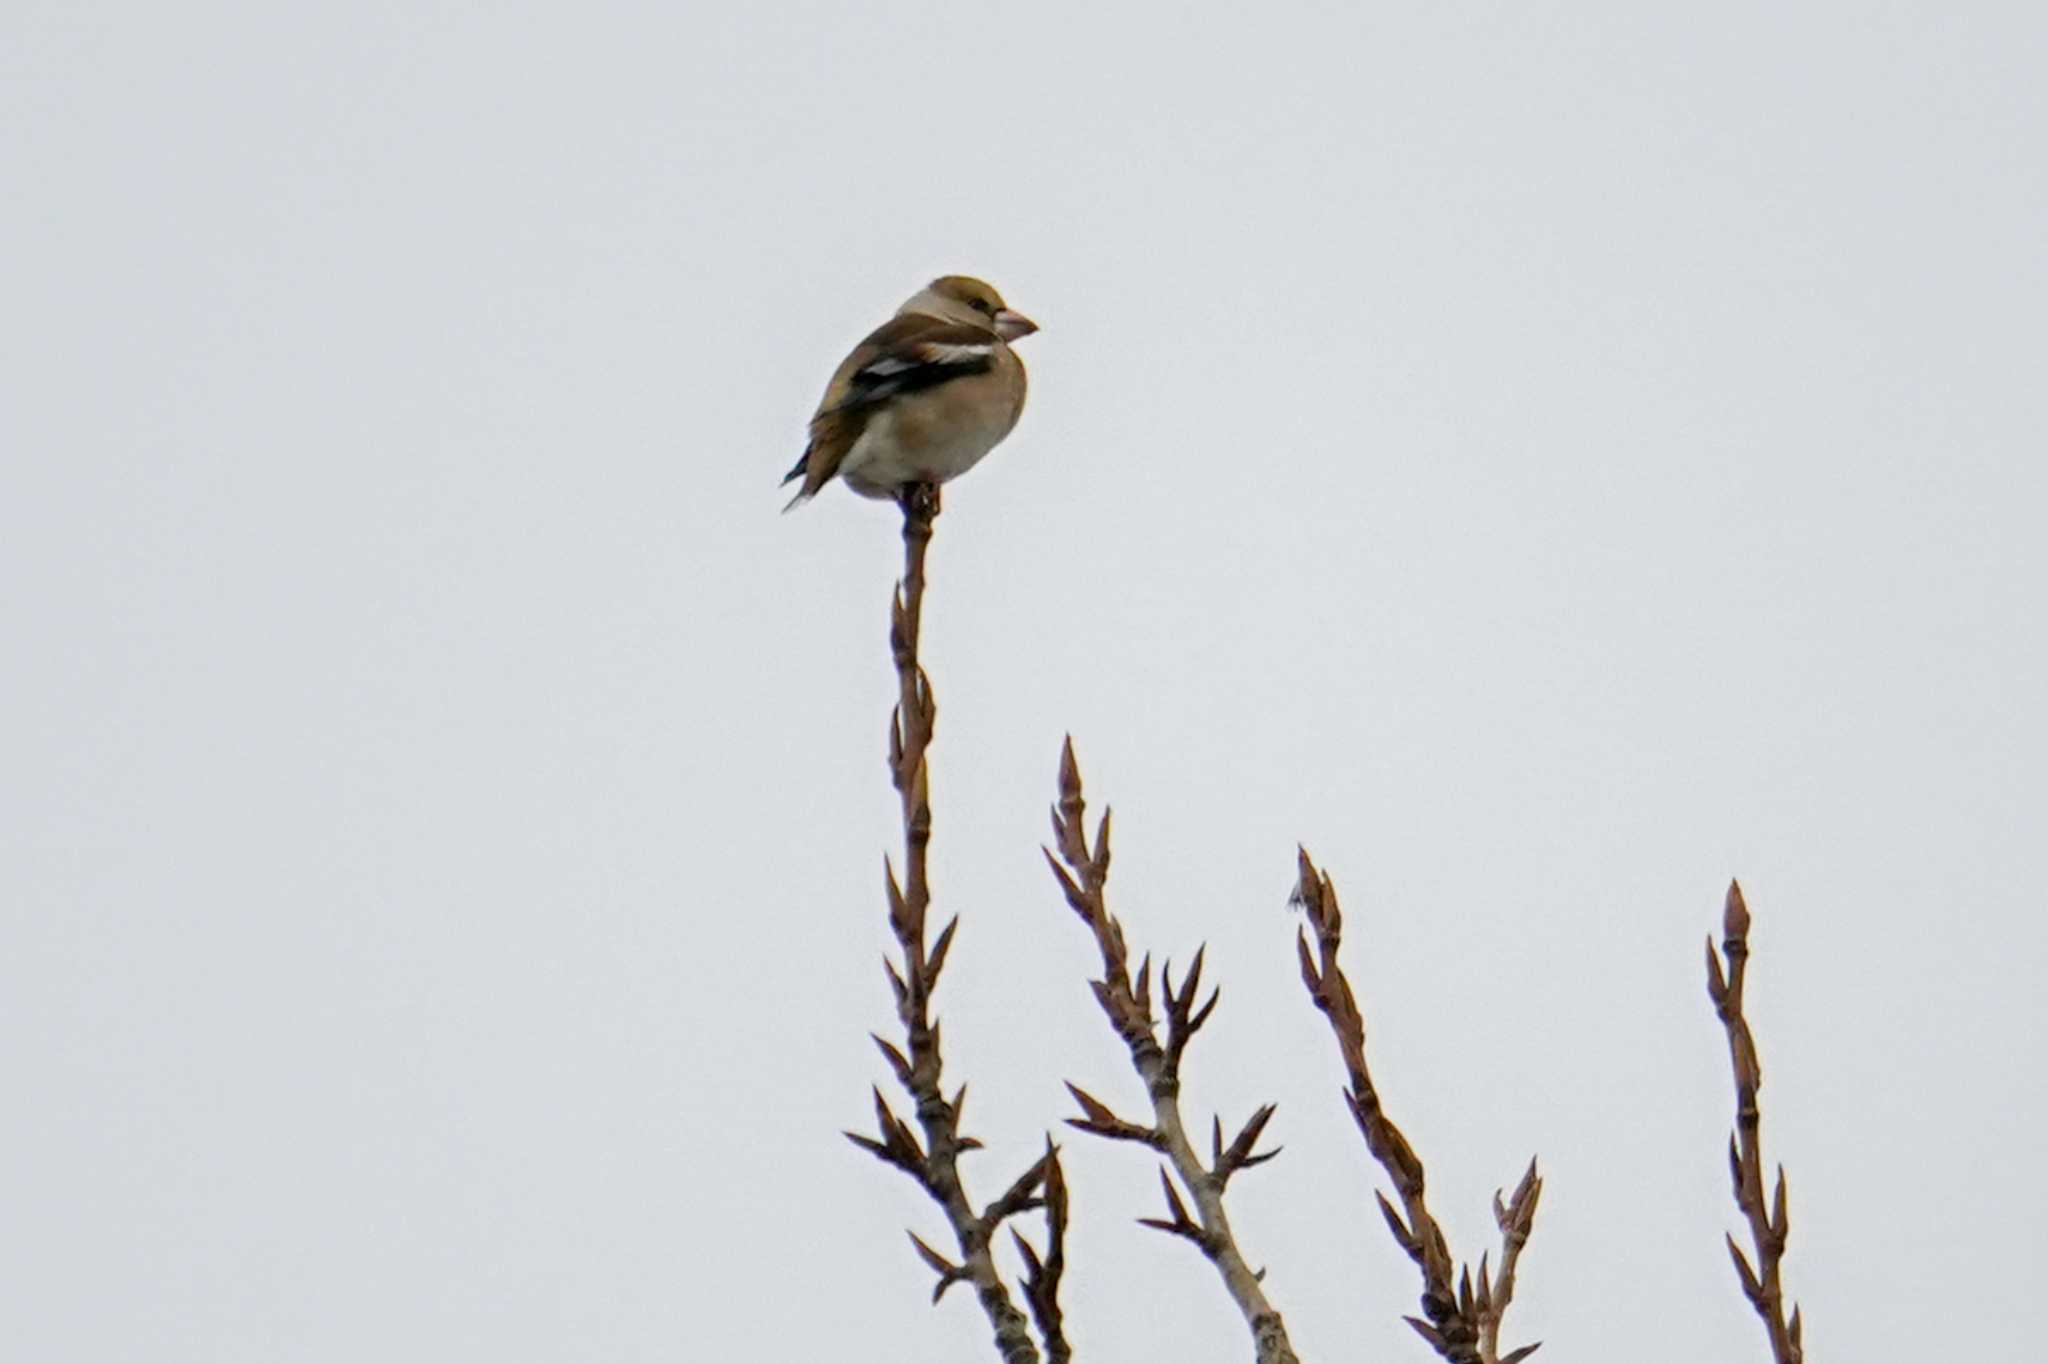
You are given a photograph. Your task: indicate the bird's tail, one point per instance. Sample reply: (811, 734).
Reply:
(802, 467)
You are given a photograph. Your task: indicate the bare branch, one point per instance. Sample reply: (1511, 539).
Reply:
(1021, 1196)
(1042, 1276)
(1082, 871)
(1104, 1123)
(1769, 1223)
(1177, 1222)
(948, 1272)
(1461, 1320)
(1228, 1160)
(917, 1063)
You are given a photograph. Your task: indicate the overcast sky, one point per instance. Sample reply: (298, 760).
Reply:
(1547, 458)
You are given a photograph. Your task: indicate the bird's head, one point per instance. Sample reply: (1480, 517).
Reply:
(963, 298)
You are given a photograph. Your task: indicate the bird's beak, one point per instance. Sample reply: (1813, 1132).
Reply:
(1011, 325)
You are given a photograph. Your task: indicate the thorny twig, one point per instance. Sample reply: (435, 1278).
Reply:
(1082, 870)
(1768, 1226)
(1462, 1316)
(934, 1162)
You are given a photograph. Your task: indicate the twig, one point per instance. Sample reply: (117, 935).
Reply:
(1042, 1277)
(1082, 870)
(1768, 1226)
(1462, 1318)
(934, 1162)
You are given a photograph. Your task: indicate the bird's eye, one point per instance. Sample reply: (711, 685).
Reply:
(985, 306)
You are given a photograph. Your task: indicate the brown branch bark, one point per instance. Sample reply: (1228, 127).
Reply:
(1082, 871)
(1768, 1224)
(1461, 1320)
(934, 1161)
(1042, 1275)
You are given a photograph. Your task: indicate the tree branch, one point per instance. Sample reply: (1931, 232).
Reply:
(1768, 1226)
(1082, 871)
(1042, 1276)
(917, 1065)
(1463, 1321)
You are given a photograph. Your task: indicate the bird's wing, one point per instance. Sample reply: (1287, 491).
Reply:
(903, 355)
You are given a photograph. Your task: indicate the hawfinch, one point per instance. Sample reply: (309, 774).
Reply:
(928, 393)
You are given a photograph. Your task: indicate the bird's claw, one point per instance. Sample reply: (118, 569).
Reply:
(920, 500)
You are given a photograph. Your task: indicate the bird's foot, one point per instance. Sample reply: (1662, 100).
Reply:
(920, 500)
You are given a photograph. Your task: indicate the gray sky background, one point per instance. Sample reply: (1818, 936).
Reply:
(1549, 459)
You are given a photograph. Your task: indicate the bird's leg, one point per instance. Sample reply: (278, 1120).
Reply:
(920, 500)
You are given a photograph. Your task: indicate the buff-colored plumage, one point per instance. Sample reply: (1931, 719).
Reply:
(922, 398)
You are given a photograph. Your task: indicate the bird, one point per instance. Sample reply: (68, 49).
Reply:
(922, 399)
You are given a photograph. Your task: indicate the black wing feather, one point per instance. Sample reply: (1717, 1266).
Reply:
(906, 354)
